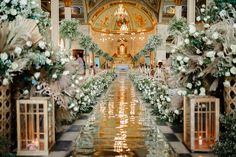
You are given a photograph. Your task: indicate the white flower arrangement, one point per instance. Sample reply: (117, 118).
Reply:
(157, 96)
(210, 53)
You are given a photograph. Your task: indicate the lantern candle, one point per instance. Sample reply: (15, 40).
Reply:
(200, 140)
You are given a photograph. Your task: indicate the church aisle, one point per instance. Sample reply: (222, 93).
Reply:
(121, 127)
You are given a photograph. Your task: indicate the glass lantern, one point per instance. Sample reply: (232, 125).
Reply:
(35, 126)
(201, 122)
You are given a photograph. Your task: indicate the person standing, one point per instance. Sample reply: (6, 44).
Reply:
(79, 57)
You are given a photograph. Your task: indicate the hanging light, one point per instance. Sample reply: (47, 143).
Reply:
(124, 28)
(121, 13)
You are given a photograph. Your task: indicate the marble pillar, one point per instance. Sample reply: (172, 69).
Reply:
(191, 11)
(161, 11)
(68, 42)
(55, 23)
(178, 11)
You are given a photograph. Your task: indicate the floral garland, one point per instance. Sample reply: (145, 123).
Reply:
(158, 96)
(153, 42)
(206, 56)
(69, 29)
(10, 9)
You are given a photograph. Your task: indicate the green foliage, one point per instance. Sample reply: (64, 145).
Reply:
(5, 148)
(226, 145)
(177, 26)
(69, 29)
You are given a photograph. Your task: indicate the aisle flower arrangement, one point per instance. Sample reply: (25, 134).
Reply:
(206, 55)
(87, 93)
(69, 29)
(158, 96)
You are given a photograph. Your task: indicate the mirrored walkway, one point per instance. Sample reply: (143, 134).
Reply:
(121, 127)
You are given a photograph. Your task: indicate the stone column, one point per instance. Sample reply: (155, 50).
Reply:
(161, 11)
(161, 50)
(191, 11)
(55, 23)
(178, 11)
(68, 42)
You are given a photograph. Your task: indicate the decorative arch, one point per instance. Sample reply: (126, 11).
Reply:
(140, 19)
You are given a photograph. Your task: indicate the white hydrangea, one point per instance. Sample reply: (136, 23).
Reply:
(25, 92)
(206, 25)
(23, 2)
(47, 53)
(179, 58)
(222, 13)
(6, 1)
(54, 76)
(202, 10)
(220, 54)
(13, 11)
(198, 52)
(187, 41)
(227, 73)
(202, 91)
(186, 59)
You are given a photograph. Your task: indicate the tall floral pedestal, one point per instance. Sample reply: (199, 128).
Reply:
(5, 111)
(230, 95)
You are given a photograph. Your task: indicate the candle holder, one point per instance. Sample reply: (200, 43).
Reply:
(35, 126)
(201, 122)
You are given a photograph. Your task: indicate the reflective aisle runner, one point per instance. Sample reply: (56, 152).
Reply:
(121, 127)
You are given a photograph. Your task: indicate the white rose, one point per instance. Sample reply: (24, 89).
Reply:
(66, 73)
(234, 25)
(226, 83)
(189, 85)
(211, 54)
(25, 92)
(71, 105)
(6, 1)
(186, 59)
(4, 56)
(220, 54)
(209, 42)
(233, 70)
(18, 50)
(47, 53)
(168, 99)
(215, 35)
(198, 18)
(76, 81)
(176, 112)
(23, 2)
(29, 43)
(39, 87)
(14, 66)
(195, 92)
(37, 75)
(54, 76)
(215, 7)
(76, 108)
(227, 73)
(233, 47)
(42, 45)
(203, 6)
(80, 78)
(5, 82)
(202, 91)
(196, 34)
(179, 58)
(222, 13)
(192, 29)
(198, 52)
(206, 25)
(202, 10)
(13, 12)
(4, 17)
(234, 60)
(72, 85)
(187, 41)
(48, 61)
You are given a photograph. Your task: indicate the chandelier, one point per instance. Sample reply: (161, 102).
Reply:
(121, 15)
